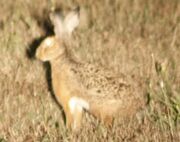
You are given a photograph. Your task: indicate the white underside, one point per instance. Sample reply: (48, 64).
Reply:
(77, 104)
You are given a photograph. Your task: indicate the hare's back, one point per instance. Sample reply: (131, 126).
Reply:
(102, 83)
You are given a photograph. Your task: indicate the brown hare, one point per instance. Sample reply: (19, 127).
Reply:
(83, 86)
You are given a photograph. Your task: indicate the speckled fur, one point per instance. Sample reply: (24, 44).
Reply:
(108, 95)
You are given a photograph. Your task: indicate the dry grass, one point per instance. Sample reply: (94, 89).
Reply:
(137, 37)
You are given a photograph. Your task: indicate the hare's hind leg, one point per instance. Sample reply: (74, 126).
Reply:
(101, 113)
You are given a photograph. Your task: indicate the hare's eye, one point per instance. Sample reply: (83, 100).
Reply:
(48, 42)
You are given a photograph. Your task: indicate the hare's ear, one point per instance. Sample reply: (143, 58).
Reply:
(57, 21)
(71, 21)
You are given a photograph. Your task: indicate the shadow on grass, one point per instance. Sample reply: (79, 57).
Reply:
(45, 24)
(30, 53)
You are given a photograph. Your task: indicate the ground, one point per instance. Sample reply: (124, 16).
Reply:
(133, 37)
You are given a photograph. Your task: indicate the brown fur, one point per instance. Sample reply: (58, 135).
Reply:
(108, 95)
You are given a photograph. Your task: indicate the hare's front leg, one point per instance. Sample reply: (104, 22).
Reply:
(77, 115)
(76, 106)
(73, 118)
(76, 111)
(68, 117)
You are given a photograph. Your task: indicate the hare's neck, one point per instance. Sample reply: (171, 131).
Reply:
(59, 69)
(59, 62)
(64, 60)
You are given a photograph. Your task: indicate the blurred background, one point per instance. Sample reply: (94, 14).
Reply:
(134, 37)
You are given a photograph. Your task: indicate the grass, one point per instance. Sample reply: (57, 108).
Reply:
(137, 37)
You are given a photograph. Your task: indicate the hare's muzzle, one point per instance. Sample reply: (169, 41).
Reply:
(37, 55)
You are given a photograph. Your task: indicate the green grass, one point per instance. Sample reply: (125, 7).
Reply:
(137, 37)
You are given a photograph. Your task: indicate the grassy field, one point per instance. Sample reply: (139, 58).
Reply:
(134, 37)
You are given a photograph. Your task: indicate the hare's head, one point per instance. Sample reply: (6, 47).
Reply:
(53, 47)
